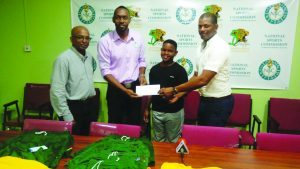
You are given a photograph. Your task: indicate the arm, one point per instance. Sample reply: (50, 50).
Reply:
(58, 93)
(182, 77)
(142, 77)
(215, 61)
(104, 56)
(192, 84)
(113, 81)
(176, 97)
(142, 65)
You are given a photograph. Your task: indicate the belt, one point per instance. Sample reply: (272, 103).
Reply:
(215, 98)
(81, 100)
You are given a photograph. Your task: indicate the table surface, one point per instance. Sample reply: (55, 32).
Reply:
(202, 156)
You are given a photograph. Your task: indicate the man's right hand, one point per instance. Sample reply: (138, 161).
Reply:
(131, 93)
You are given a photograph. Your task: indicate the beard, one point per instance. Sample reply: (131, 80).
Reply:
(121, 28)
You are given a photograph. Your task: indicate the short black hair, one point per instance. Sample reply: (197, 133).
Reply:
(213, 17)
(173, 42)
(120, 7)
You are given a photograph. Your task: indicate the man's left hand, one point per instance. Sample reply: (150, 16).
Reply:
(167, 93)
(142, 80)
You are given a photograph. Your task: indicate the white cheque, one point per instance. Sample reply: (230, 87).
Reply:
(147, 90)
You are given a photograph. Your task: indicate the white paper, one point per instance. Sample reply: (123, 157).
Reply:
(147, 90)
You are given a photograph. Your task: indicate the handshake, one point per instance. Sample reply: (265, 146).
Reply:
(168, 92)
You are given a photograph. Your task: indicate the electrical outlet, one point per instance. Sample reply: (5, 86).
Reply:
(27, 48)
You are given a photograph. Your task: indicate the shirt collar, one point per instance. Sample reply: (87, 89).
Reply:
(83, 58)
(212, 39)
(116, 36)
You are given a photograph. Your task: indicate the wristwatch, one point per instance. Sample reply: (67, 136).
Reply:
(175, 90)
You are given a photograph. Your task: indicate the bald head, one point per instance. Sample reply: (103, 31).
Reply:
(77, 29)
(213, 18)
(80, 38)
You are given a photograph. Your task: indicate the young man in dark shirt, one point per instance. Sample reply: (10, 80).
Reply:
(168, 115)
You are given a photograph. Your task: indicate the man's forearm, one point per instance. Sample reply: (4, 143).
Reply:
(113, 81)
(142, 70)
(196, 81)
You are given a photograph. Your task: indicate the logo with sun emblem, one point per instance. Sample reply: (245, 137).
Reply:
(269, 69)
(276, 13)
(86, 14)
(186, 15)
(186, 64)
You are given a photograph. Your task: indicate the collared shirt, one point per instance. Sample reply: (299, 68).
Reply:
(121, 58)
(72, 79)
(215, 57)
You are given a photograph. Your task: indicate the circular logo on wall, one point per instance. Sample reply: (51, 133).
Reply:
(185, 15)
(276, 13)
(186, 64)
(86, 14)
(105, 32)
(269, 69)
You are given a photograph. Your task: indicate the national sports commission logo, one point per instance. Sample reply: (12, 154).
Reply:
(156, 36)
(276, 13)
(214, 9)
(238, 35)
(269, 69)
(185, 15)
(105, 32)
(186, 64)
(86, 14)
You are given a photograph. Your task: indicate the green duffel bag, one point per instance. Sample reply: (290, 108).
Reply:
(115, 152)
(45, 147)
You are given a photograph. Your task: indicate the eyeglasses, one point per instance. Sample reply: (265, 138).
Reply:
(82, 38)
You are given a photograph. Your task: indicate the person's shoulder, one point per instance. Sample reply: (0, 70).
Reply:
(107, 36)
(220, 41)
(135, 34)
(155, 67)
(176, 64)
(65, 54)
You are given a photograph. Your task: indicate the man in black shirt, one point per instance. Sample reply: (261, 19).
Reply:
(168, 115)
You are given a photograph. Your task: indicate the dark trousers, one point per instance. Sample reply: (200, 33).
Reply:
(215, 111)
(122, 108)
(84, 112)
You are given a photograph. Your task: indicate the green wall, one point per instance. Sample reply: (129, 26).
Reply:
(45, 25)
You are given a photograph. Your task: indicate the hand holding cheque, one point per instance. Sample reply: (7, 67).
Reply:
(147, 90)
(150, 90)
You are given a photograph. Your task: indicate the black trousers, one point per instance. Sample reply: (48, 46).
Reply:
(84, 112)
(215, 111)
(122, 108)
